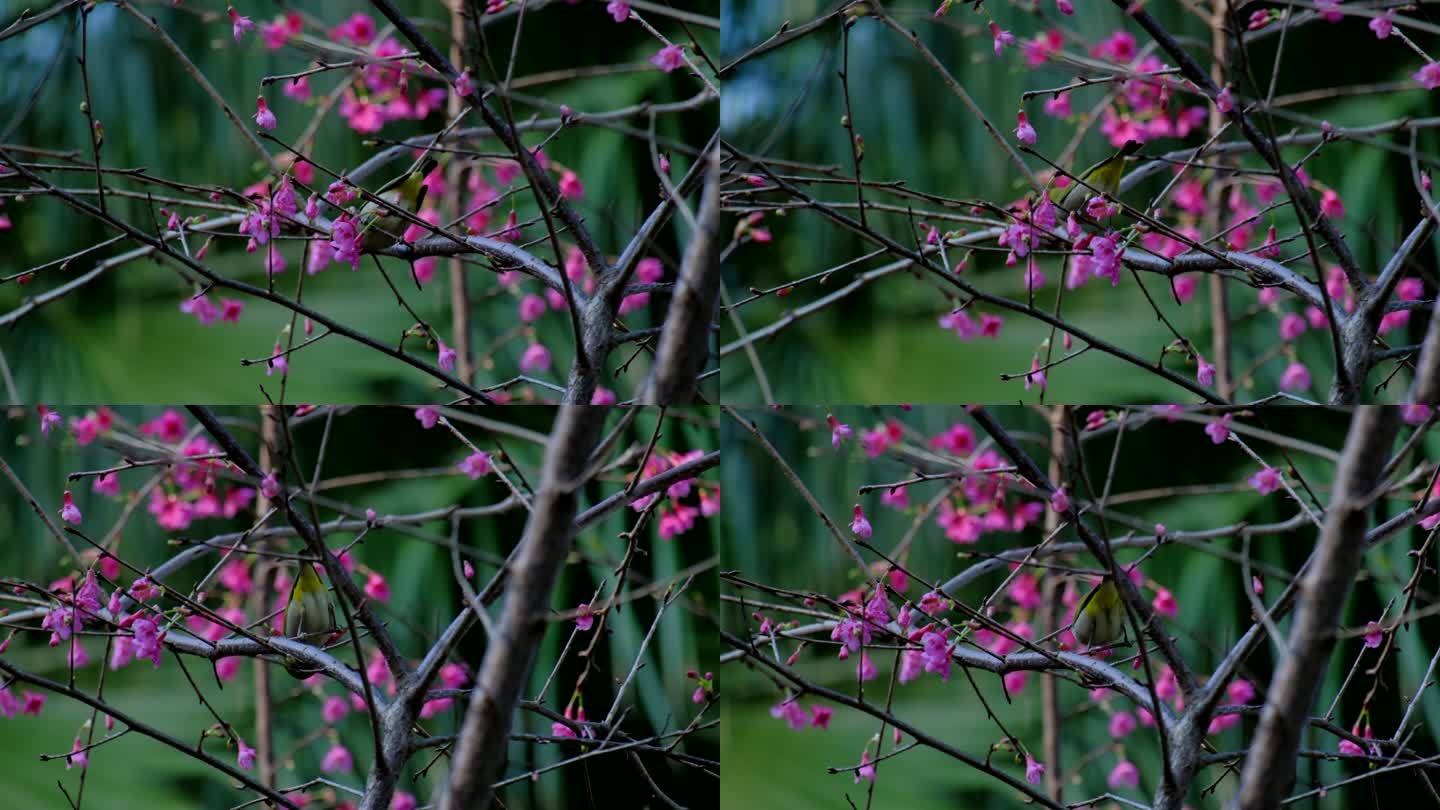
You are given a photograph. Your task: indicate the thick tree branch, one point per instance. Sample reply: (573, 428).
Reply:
(1269, 769)
(479, 757)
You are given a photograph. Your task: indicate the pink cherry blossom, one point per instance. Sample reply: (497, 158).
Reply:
(377, 588)
(535, 358)
(476, 465)
(668, 58)
(859, 525)
(1124, 775)
(1025, 133)
(1266, 481)
(238, 24)
(1034, 768)
(1001, 38)
(337, 760)
(1374, 634)
(69, 512)
(263, 117)
(1429, 76)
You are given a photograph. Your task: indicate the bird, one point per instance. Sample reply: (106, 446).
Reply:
(1103, 177)
(1100, 619)
(309, 617)
(379, 225)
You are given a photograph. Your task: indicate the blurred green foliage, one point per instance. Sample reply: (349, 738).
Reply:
(882, 343)
(784, 545)
(424, 598)
(123, 338)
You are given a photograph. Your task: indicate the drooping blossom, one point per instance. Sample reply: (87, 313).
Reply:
(859, 525)
(264, 118)
(1024, 132)
(238, 24)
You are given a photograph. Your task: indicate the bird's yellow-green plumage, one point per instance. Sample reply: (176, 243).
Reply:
(1102, 177)
(309, 616)
(1100, 618)
(379, 225)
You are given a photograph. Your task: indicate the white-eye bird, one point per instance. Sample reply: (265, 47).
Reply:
(379, 226)
(1100, 619)
(309, 617)
(1102, 177)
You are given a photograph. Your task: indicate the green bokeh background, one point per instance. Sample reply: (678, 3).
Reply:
(123, 338)
(882, 343)
(137, 772)
(767, 764)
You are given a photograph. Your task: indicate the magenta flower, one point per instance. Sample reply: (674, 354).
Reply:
(570, 186)
(270, 486)
(334, 708)
(48, 419)
(69, 512)
(337, 760)
(531, 308)
(277, 362)
(345, 240)
(1383, 25)
(245, 758)
(790, 711)
(866, 770)
(1035, 375)
(1034, 768)
(1164, 603)
(263, 117)
(32, 703)
(1204, 372)
(1429, 75)
(1295, 378)
(1059, 501)
(476, 465)
(403, 801)
(1002, 38)
(620, 11)
(1124, 775)
(148, 638)
(669, 58)
(463, 85)
(77, 756)
(231, 310)
(238, 24)
(1330, 204)
(1121, 724)
(839, 431)
(1225, 100)
(584, 619)
(1266, 481)
(428, 416)
(1374, 634)
(535, 358)
(819, 716)
(377, 588)
(859, 525)
(446, 357)
(1219, 430)
(1024, 132)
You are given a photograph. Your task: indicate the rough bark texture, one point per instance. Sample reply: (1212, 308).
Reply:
(480, 752)
(1270, 768)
